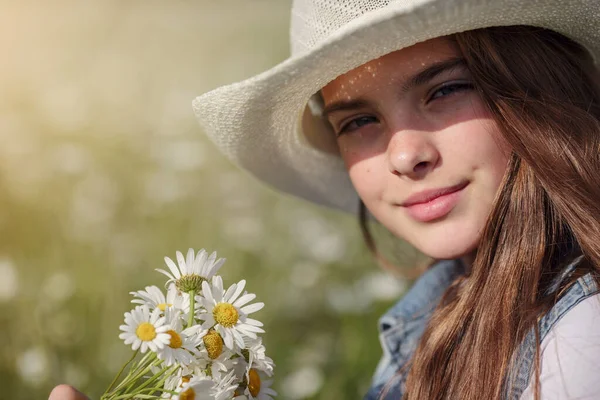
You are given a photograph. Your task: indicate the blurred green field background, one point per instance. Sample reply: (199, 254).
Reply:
(104, 171)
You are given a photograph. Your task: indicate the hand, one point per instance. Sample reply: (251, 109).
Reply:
(66, 392)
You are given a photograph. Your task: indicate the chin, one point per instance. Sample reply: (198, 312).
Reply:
(448, 246)
(442, 253)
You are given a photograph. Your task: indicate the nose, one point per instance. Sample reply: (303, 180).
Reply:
(412, 154)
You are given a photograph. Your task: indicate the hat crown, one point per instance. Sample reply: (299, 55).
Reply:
(315, 20)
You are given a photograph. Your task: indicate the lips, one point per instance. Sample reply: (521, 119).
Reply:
(429, 195)
(432, 204)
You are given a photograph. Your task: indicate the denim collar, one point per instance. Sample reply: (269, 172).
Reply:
(402, 326)
(423, 296)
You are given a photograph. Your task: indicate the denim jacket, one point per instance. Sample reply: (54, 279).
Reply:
(401, 327)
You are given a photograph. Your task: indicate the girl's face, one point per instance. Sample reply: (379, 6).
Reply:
(419, 145)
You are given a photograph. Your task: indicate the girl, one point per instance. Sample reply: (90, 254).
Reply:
(470, 129)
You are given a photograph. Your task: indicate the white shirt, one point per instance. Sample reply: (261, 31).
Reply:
(570, 356)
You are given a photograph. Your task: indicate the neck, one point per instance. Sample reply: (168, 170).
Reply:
(467, 261)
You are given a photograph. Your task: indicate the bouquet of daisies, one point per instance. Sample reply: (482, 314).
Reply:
(196, 341)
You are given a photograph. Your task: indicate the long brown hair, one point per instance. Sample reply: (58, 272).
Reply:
(543, 90)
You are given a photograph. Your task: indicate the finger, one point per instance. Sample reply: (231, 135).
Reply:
(66, 392)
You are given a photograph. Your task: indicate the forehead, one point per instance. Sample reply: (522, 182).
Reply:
(389, 69)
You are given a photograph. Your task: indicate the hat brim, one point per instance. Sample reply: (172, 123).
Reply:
(263, 123)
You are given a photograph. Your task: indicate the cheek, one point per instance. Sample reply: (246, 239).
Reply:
(494, 155)
(485, 155)
(358, 158)
(479, 142)
(366, 175)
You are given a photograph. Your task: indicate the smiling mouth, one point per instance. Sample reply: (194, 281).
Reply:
(431, 194)
(432, 204)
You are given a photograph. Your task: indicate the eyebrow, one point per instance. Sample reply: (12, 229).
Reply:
(420, 78)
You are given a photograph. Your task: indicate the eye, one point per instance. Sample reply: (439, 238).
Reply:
(357, 123)
(450, 89)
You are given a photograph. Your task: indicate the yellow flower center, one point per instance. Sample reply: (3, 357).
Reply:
(187, 395)
(146, 331)
(186, 378)
(163, 306)
(213, 343)
(175, 342)
(225, 314)
(253, 382)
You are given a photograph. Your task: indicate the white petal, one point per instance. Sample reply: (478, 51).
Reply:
(244, 299)
(251, 328)
(171, 294)
(207, 293)
(142, 314)
(249, 334)
(218, 285)
(252, 308)
(134, 319)
(136, 344)
(208, 264)
(201, 259)
(163, 329)
(170, 276)
(189, 259)
(155, 317)
(162, 340)
(239, 340)
(208, 324)
(173, 268)
(254, 322)
(129, 319)
(226, 335)
(131, 339)
(212, 258)
(215, 268)
(240, 287)
(229, 292)
(181, 262)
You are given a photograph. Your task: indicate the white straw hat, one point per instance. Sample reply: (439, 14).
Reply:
(263, 124)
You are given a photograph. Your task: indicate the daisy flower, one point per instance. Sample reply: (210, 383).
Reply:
(182, 344)
(182, 376)
(223, 364)
(173, 382)
(257, 357)
(189, 272)
(197, 388)
(145, 330)
(213, 344)
(214, 356)
(257, 388)
(227, 313)
(225, 387)
(153, 297)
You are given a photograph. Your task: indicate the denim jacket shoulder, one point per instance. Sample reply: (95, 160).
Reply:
(518, 379)
(401, 328)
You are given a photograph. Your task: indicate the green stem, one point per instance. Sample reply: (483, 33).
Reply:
(139, 395)
(141, 374)
(161, 382)
(160, 374)
(192, 311)
(121, 371)
(141, 364)
(144, 365)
